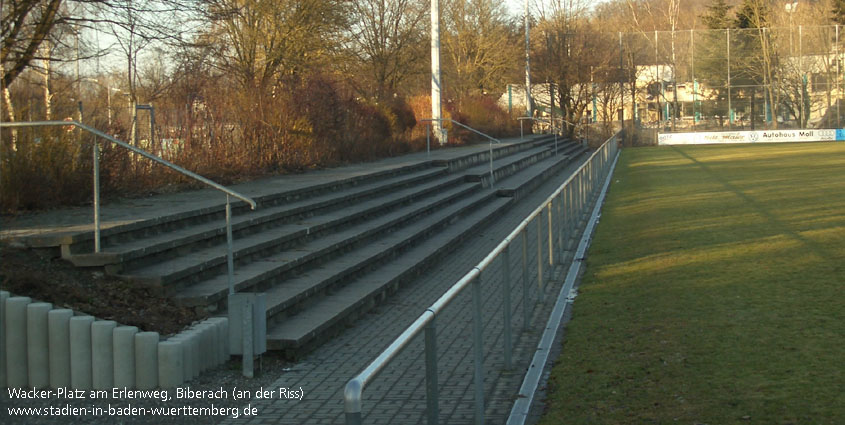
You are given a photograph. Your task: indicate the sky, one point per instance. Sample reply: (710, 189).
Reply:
(515, 7)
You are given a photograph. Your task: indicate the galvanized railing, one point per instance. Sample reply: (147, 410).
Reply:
(96, 165)
(549, 120)
(490, 138)
(564, 210)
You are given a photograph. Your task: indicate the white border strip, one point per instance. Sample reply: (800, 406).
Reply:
(522, 405)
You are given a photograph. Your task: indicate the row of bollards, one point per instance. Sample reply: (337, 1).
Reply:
(43, 347)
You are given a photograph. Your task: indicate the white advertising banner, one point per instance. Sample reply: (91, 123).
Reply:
(760, 136)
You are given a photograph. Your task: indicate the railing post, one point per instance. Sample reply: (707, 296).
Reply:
(431, 389)
(491, 164)
(580, 196)
(428, 140)
(247, 357)
(540, 288)
(551, 239)
(230, 260)
(352, 402)
(478, 350)
(571, 214)
(560, 227)
(506, 300)
(96, 153)
(521, 135)
(526, 314)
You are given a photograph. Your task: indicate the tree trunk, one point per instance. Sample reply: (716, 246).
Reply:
(48, 109)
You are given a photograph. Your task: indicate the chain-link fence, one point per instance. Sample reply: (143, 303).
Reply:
(759, 78)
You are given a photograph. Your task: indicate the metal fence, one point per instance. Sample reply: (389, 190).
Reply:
(508, 285)
(757, 78)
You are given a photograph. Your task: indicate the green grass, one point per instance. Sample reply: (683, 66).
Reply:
(713, 292)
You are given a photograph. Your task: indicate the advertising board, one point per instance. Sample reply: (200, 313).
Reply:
(759, 136)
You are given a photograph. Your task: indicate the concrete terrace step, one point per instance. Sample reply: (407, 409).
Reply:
(139, 252)
(77, 246)
(299, 237)
(211, 260)
(542, 171)
(285, 290)
(352, 263)
(299, 332)
(515, 163)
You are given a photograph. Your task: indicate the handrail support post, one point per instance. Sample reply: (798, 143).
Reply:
(96, 164)
(492, 180)
(230, 260)
(540, 288)
(428, 140)
(431, 387)
(506, 308)
(527, 316)
(478, 350)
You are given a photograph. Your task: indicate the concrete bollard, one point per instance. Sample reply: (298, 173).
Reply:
(170, 366)
(16, 369)
(80, 352)
(58, 326)
(193, 340)
(222, 324)
(102, 354)
(123, 339)
(37, 344)
(4, 295)
(187, 359)
(199, 342)
(213, 344)
(146, 360)
(206, 341)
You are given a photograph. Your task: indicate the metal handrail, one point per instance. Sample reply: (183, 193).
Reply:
(191, 174)
(585, 175)
(491, 138)
(550, 120)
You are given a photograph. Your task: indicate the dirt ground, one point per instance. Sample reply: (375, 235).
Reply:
(42, 276)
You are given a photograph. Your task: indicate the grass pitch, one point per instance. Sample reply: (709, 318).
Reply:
(713, 292)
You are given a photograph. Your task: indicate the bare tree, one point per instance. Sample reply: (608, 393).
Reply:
(262, 40)
(478, 45)
(388, 41)
(568, 51)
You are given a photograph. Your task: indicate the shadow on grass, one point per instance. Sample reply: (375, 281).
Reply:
(778, 225)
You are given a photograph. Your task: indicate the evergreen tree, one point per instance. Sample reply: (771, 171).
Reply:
(717, 16)
(752, 14)
(711, 59)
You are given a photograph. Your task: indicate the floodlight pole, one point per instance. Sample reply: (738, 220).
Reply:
(435, 73)
(529, 104)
